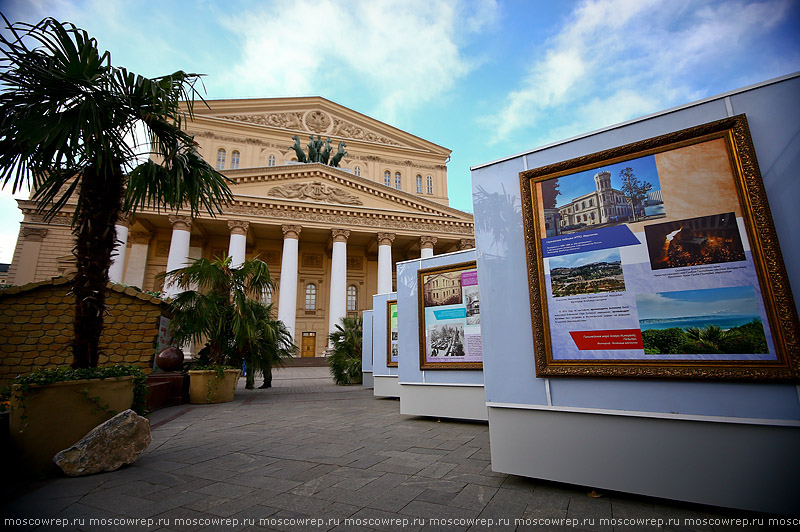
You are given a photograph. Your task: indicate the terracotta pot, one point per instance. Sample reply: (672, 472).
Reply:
(51, 417)
(206, 387)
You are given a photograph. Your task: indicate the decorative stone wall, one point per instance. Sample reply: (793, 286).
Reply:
(36, 327)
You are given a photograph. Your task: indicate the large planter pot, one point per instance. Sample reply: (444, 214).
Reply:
(205, 386)
(48, 418)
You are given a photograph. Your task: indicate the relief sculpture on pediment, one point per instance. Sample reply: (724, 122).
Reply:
(348, 130)
(316, 191)
(284, 120)
(317, 121)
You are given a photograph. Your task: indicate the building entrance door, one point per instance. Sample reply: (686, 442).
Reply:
(308, 347)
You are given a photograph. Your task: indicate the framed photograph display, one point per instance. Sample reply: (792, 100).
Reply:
(391, 333)
(449, 317)
(659, 259)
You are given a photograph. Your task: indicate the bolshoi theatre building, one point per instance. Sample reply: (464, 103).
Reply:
(330, 236)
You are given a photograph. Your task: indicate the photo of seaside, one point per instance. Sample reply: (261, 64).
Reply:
(709, 321)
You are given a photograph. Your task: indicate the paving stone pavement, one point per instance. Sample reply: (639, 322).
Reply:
(306, 449)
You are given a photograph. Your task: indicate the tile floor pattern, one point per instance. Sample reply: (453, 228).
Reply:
(309, 449)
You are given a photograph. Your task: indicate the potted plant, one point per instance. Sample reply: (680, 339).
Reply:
(68, 120)
(225, 311)
(345, 357)
(41, 401)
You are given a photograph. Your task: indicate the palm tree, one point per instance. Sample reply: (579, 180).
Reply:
(68, 127)
(711, 335)
(345, 358)
(224, 309)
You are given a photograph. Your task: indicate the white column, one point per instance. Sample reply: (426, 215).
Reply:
(137, 260)
(338, 301)
(117, 268)
(426, 244)
(287, 296)
(238, 243)
(178, 249)
(31, 239)
(385, 262)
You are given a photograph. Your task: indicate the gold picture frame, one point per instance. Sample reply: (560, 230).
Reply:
(630, 280)
(449, 337)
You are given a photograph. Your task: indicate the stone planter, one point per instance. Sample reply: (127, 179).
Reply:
(206, 387)
(49, 418)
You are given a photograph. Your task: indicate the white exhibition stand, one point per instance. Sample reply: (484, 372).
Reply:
(384, 377)
(726, 443)
(366, 350)
(449, 393)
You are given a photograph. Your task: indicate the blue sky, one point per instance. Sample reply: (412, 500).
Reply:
(582, 259)
(486, 79)
(730, 301)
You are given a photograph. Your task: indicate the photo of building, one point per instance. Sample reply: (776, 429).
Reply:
(442, 289)
(330, 235)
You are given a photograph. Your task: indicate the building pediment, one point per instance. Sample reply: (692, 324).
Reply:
(317, 116)
(325, 185)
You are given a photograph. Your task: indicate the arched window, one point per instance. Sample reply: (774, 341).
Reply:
(430, 184)
(271, 160)
(398, 181)
(221, 159)
(419, 184)
(311, 296)
(357, 171)
(387, 178)
(234, 159)
(266, 295)
(352, 298)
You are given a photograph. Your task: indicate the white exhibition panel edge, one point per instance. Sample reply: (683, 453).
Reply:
(676, 459)
(729, 441)
(449, 393)
(384, 378)
(366, 349)
(385, 386)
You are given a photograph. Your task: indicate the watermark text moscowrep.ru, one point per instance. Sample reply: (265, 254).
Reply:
(178, 523)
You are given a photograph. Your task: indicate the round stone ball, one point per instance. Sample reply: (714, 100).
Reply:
(170, 359)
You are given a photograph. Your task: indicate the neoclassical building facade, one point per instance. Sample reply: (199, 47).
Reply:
(331, 236)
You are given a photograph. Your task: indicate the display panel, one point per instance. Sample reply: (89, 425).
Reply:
(391, 333)
(450, 317)
(659, 259)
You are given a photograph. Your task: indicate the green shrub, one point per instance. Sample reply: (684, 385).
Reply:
(65, 373)
(345, 359)
(698, 348)
(666, 341)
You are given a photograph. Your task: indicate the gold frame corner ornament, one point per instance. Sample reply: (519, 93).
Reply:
(770, 271)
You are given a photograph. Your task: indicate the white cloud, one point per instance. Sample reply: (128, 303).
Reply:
(400, 52)
(617, 59)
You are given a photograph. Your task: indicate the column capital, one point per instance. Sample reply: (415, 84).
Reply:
(238, 227)
(340, 235)
(385, 239)
(291, 231)
(139, 237)
(427, 242)
(124, 221)
(183, 223)
(466, 243)
(33, 234)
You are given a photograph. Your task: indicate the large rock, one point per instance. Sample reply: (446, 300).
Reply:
(107, 447)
